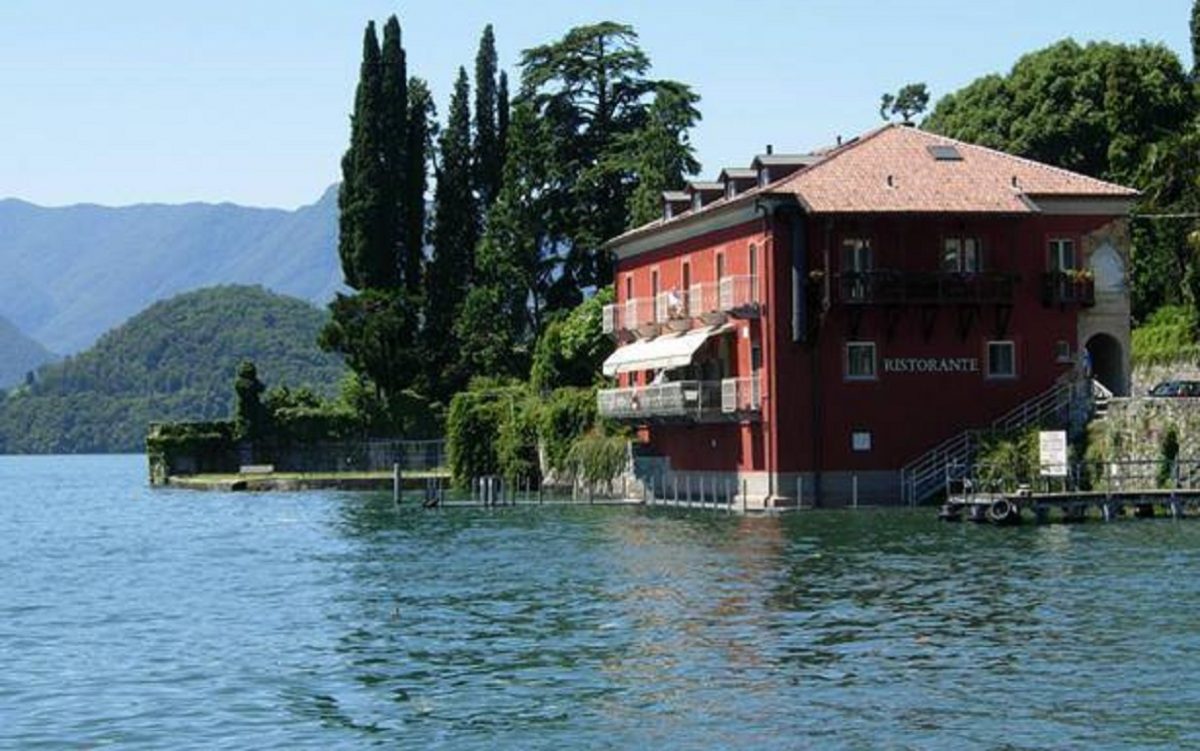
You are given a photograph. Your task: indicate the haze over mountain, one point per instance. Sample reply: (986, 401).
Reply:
(18, 354)
(72, 273)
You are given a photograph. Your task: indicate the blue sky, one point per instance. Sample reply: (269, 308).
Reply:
(128, 101)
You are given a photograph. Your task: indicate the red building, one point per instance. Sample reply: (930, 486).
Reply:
(815, 325)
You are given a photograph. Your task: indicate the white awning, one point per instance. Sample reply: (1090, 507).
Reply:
(661, 353)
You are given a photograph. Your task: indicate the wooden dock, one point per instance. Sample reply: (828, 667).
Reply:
(1071, 505)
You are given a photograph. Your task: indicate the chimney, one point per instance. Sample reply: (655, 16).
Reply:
(770, 149)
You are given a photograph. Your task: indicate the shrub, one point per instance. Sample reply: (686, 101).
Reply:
(473, 429)
(599, 458)
(1168, 336)
(567, 414)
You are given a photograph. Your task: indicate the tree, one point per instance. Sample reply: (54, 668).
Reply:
(572, 348)
(455, 232)
(590, 87)
(910, 101)
(373, 330)
(421, 132)
(660, 152)
(393, 129)
(1095, 109)
(502, 114)
(1195, 29)
(362, 197)
(250, 417)
(517, 257)
(488, 158)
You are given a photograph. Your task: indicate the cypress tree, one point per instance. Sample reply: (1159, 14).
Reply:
(502, 313)
(455, 232)
(394, 137)
(488, 164)
(419, 146)
(502, 114)
(1195, 29)
(362, 217)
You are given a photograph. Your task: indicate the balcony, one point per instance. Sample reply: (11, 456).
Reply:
(678, 310)
(1068, 288)
(924, 288)
(736, 296)
(683, 401)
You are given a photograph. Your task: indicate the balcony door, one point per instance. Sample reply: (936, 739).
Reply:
(858, 261)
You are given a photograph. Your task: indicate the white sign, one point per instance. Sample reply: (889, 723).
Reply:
(1052, 453)
(931, 365)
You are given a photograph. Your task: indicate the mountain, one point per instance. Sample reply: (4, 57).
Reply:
(18, 354)
(74, 272)
(174, 361)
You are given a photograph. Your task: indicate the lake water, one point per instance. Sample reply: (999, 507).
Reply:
(141, 618)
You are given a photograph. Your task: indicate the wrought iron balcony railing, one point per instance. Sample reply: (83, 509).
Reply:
(1068, 288)
(924, 288)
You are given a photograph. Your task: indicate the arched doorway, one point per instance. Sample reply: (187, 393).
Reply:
(1108, 363)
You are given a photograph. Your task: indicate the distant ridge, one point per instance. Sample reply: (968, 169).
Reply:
(72, 273)
(18, 354)
(175, 360)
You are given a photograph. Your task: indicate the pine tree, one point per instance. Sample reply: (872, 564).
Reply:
(591, 87)
(660, 153)
(361, 202)
(488, 164)
(421, 131)
(394, 135)
(455, 232)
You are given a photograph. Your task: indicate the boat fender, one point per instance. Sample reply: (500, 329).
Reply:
(1000, 511)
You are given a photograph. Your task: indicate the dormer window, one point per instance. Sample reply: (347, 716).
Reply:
(697, 202)
(730, 189)
(764, 177)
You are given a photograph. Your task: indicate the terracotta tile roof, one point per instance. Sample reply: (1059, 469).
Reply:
(892, 170)
(852, 177)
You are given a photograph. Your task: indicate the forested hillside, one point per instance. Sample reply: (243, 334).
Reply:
(174, 361)
(18, 354)
(72, 273)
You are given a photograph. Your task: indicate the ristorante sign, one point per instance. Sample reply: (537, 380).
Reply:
(930, 365)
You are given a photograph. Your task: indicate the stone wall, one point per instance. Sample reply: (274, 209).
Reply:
(1133, 429)
(1145, 377)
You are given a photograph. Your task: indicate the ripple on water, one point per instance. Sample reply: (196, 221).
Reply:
(145, 619)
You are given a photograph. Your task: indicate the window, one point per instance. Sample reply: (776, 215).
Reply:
(764, 177)
(860, 360)
(687, 276)
(962, 255)
(1001, 360)
(730, 189)
(629, 286)
(697, 202)
(860, 440)
(1062, 351)
(1062, 255)
(753, 260)
(720, 266)
(856, 255)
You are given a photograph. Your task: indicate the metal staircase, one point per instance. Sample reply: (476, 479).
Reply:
(925, 475)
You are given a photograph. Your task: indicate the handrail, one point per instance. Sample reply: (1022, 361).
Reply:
(925, 473)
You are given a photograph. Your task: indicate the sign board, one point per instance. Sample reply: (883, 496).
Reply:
(931, 365)
(1052, 453)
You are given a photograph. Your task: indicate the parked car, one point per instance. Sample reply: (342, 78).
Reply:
(1177, 389)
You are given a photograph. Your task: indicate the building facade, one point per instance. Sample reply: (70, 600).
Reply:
(809, 328)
